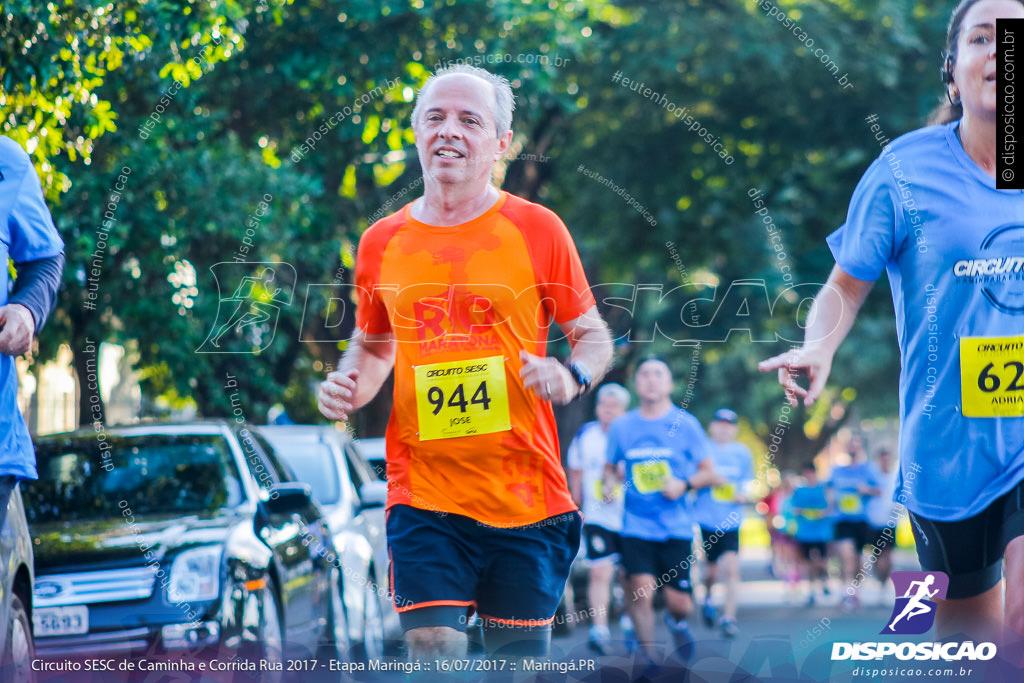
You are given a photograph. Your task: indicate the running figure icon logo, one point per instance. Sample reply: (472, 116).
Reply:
(916, 596)
(247, 319)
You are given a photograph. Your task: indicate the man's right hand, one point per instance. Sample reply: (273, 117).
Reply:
(674, 488)
(336, 399)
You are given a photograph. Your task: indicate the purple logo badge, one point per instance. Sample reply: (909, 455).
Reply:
(916, 596)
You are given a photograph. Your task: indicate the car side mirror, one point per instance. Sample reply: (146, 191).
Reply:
(286, 499)
(373, 494)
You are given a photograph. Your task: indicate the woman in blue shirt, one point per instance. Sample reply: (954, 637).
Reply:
(927, 211)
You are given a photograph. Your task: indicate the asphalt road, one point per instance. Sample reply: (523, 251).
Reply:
(781, 640)
(780, 637)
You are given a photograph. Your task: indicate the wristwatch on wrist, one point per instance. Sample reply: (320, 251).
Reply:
(581, 375)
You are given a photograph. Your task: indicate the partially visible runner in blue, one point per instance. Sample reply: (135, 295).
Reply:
(29, 238)
(928, 212)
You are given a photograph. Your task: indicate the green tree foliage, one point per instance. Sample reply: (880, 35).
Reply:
(214, 105)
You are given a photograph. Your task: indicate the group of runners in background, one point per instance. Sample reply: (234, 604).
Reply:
(851, 512)
(646, 531)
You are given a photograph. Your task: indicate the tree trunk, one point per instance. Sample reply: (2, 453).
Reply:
(85, 359)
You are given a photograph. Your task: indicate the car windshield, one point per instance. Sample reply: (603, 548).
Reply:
(312, 462)
(153, 474)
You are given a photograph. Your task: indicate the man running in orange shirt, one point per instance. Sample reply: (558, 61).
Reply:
(456, 293)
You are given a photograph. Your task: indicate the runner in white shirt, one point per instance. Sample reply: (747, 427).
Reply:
(883, 514)
(602, 509)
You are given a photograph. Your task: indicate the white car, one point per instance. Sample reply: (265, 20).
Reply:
(373, 451)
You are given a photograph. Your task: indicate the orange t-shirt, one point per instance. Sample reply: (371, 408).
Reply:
(465, 436)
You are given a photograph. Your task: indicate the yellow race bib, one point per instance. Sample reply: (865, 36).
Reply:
(992, 376)
(850, 503)
(724, 493)
(599, 490)
(649, 477)
(462, 398)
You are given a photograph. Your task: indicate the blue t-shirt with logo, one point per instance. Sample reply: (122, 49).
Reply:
(851, 504)
(953, 247)
(716, 507)
(810, 509)
(27, 233)
(651, 450)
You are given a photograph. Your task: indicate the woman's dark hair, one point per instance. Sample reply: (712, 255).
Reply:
(951, 111)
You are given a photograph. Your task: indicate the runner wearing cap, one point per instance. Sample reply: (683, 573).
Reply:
(719, 512)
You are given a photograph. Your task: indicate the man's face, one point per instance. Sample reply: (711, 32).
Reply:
(722, 431)
(653, 381)
(885, 461)
(856, 449)
(608, 408)
(456, 138)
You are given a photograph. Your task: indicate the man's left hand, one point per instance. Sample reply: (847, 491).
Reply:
(18, 329)
(547, 378)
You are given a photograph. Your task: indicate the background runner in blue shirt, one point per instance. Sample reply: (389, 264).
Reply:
(812, 509)
(719, 512)
(660, 452)
(928, 213)
(852, 486)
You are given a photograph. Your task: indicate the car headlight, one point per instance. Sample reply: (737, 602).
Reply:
(195, 575)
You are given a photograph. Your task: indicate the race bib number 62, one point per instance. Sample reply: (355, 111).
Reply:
(462, 398)
(992, 376)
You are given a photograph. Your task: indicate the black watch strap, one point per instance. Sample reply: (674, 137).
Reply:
(581, 375)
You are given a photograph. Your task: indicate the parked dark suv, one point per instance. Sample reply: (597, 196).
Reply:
(183, 537)
(353, 499)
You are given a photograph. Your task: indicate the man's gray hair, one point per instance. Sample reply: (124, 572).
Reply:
(504, 100)
(616, 391)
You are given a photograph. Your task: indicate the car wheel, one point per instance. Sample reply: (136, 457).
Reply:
(16, 664)
(372, 646)
(335, 643)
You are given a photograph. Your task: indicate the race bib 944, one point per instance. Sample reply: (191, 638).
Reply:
(992, 376)
(462, 398)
